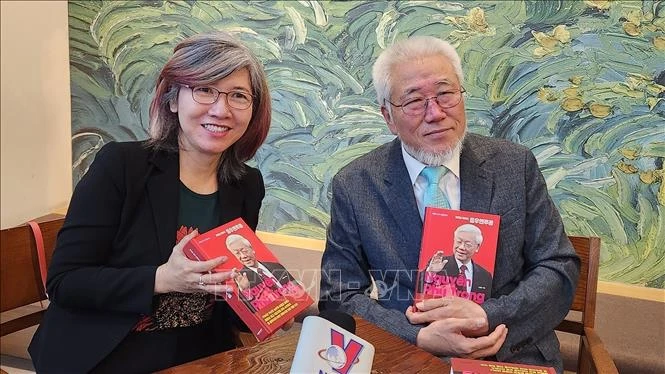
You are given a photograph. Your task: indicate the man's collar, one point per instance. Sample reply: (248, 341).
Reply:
(460, 263)
(258, 265)
(414, 166)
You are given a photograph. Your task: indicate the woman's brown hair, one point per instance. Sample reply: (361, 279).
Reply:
(204, 59)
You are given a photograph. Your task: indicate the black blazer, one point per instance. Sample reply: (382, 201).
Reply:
(278, 271)
(481, 281)
(120, 226)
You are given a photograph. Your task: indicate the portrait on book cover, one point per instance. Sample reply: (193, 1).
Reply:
(457, 255)
(257, 280)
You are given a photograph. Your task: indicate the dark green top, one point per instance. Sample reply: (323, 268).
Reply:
(197, 211)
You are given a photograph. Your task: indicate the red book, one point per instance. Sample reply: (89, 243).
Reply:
(467, 366)
(457, 254)
(265, 295)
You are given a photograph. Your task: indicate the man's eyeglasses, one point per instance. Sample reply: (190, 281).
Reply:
(209, 95)
(416, 106)
(468, 245)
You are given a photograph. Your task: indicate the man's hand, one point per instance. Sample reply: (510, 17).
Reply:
(436, 267)
(242, 281)
(431, 310)
(446, 337)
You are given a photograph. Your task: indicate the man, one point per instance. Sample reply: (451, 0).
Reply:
(472, 281)
(377, 209)
(468, 239)
(256, 279)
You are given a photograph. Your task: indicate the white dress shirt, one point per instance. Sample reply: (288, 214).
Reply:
(449, 184)
(266, 272)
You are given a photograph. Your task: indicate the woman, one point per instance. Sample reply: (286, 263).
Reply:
(124, 298)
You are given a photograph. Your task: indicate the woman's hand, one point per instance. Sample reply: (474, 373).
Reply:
(180, 274)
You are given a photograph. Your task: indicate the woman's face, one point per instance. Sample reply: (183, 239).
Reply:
(210, 129)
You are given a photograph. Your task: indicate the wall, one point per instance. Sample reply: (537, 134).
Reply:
(581, 83)
(36, 123)
(35, 126)
(36, 153)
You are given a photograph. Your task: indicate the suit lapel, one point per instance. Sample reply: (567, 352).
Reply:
(398, 195)
(163, 188)
(475, 179)
(475, 287)
(279, 272)
(451, 267)
(252, 276)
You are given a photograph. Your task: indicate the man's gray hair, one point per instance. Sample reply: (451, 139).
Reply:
(408, 50)
(233, 238)
(471, 229)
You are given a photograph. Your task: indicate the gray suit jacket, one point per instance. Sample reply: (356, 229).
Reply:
(376, 230)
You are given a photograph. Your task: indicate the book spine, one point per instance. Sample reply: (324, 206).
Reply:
(420, 292)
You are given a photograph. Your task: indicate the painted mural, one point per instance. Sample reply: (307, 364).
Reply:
(581, 83)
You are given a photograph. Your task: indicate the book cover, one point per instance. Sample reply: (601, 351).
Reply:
(457, 254)
(468, 366)
(265, 295)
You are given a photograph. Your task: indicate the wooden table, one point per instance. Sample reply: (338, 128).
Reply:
(274, 355)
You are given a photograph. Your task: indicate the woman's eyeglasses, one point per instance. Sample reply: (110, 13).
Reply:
(209, 95)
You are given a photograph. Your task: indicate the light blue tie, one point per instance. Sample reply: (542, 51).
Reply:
(433, 194)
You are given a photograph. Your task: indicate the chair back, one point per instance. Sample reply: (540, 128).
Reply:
(20, 279)
(592, 356)
(588, 249)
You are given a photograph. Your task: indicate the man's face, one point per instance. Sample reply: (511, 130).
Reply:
(244, 253)
(437, 130)
(465, 246)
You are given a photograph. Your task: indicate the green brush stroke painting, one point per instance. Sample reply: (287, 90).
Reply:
(579, 82)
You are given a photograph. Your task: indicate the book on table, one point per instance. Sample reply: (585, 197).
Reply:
(468, 366)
